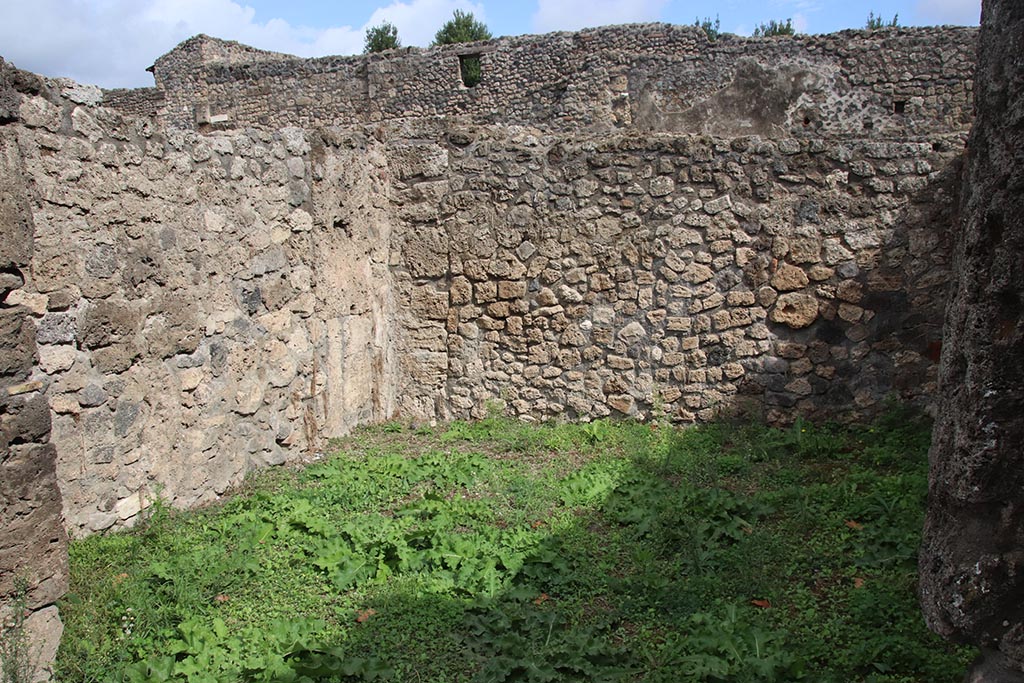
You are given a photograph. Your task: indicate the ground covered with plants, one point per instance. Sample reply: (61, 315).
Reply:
(498, 551)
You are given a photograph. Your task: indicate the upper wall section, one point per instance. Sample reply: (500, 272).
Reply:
(894, 83)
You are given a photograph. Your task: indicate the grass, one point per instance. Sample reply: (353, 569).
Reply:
(497, 551)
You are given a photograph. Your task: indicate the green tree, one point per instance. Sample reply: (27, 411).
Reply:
(878, 22)
(775, 28)
(711, 28)
(382, 37)
(461, 28)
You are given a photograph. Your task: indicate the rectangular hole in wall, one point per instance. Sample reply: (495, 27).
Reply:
(899, 106)
(469, 68)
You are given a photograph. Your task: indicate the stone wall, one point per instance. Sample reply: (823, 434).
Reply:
(135, 102)
(197, 310)
(33, 543)
(894, 83)
(206, 304)
(574, 277)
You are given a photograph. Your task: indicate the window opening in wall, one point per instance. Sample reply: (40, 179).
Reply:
(469, 68)
(899, 106)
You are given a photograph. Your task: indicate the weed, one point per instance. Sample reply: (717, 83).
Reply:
(711, 28)
(596, 431)
(775, 28)
(17, 664)
(500, 551)
(874, 23)
(532, 641)
(723, 647)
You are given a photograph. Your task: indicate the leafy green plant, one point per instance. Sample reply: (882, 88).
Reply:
(874, 23)
(596, 431)
(382, 37)
(775, 28)
(532, 641)
(587, 485)
(447, 554)
(17, 664)
(461, 28)
(889, 515)
(724, 647)
(805, 440)
(711, 28)
(669, 515)
(212, 652)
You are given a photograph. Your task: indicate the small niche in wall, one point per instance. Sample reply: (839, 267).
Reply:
(469, 69)
(899, 106)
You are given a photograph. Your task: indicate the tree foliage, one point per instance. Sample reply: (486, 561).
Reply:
(711, 28)
(775, 28)
(878, 22)
(461, 28)
(382, 37)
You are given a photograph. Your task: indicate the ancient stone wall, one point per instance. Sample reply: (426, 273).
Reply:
(33, 542)
(209, 304)
(135, 102)
(197, 312)
(852, 84)
(574, 277)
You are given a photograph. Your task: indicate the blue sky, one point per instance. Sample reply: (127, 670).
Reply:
(111, 42)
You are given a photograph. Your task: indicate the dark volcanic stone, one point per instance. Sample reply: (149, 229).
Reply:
(972, 558)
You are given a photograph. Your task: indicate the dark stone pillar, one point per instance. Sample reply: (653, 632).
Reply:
(972, 559)
(33, 543)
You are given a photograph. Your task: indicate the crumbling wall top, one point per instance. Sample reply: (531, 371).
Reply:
(891, 84)
(203, 49)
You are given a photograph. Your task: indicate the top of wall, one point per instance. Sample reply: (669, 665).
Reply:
(890, 83)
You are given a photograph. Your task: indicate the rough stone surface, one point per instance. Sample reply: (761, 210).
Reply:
(217, 312)
(796, 310)
(44, 629)
(972, 558)
(898, 83)
(33, 542)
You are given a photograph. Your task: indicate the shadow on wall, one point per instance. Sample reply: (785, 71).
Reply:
(878, 332)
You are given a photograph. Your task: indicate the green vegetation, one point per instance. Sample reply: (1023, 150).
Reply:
(16, 662)
(461, 28)
(775, 28)
(498, 551)
(711, 28)
(875, 23)
(381, 37)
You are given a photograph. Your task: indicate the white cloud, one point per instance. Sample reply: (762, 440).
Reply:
(570, 15)
(111, 42)
(790, 7)
(963, 12)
